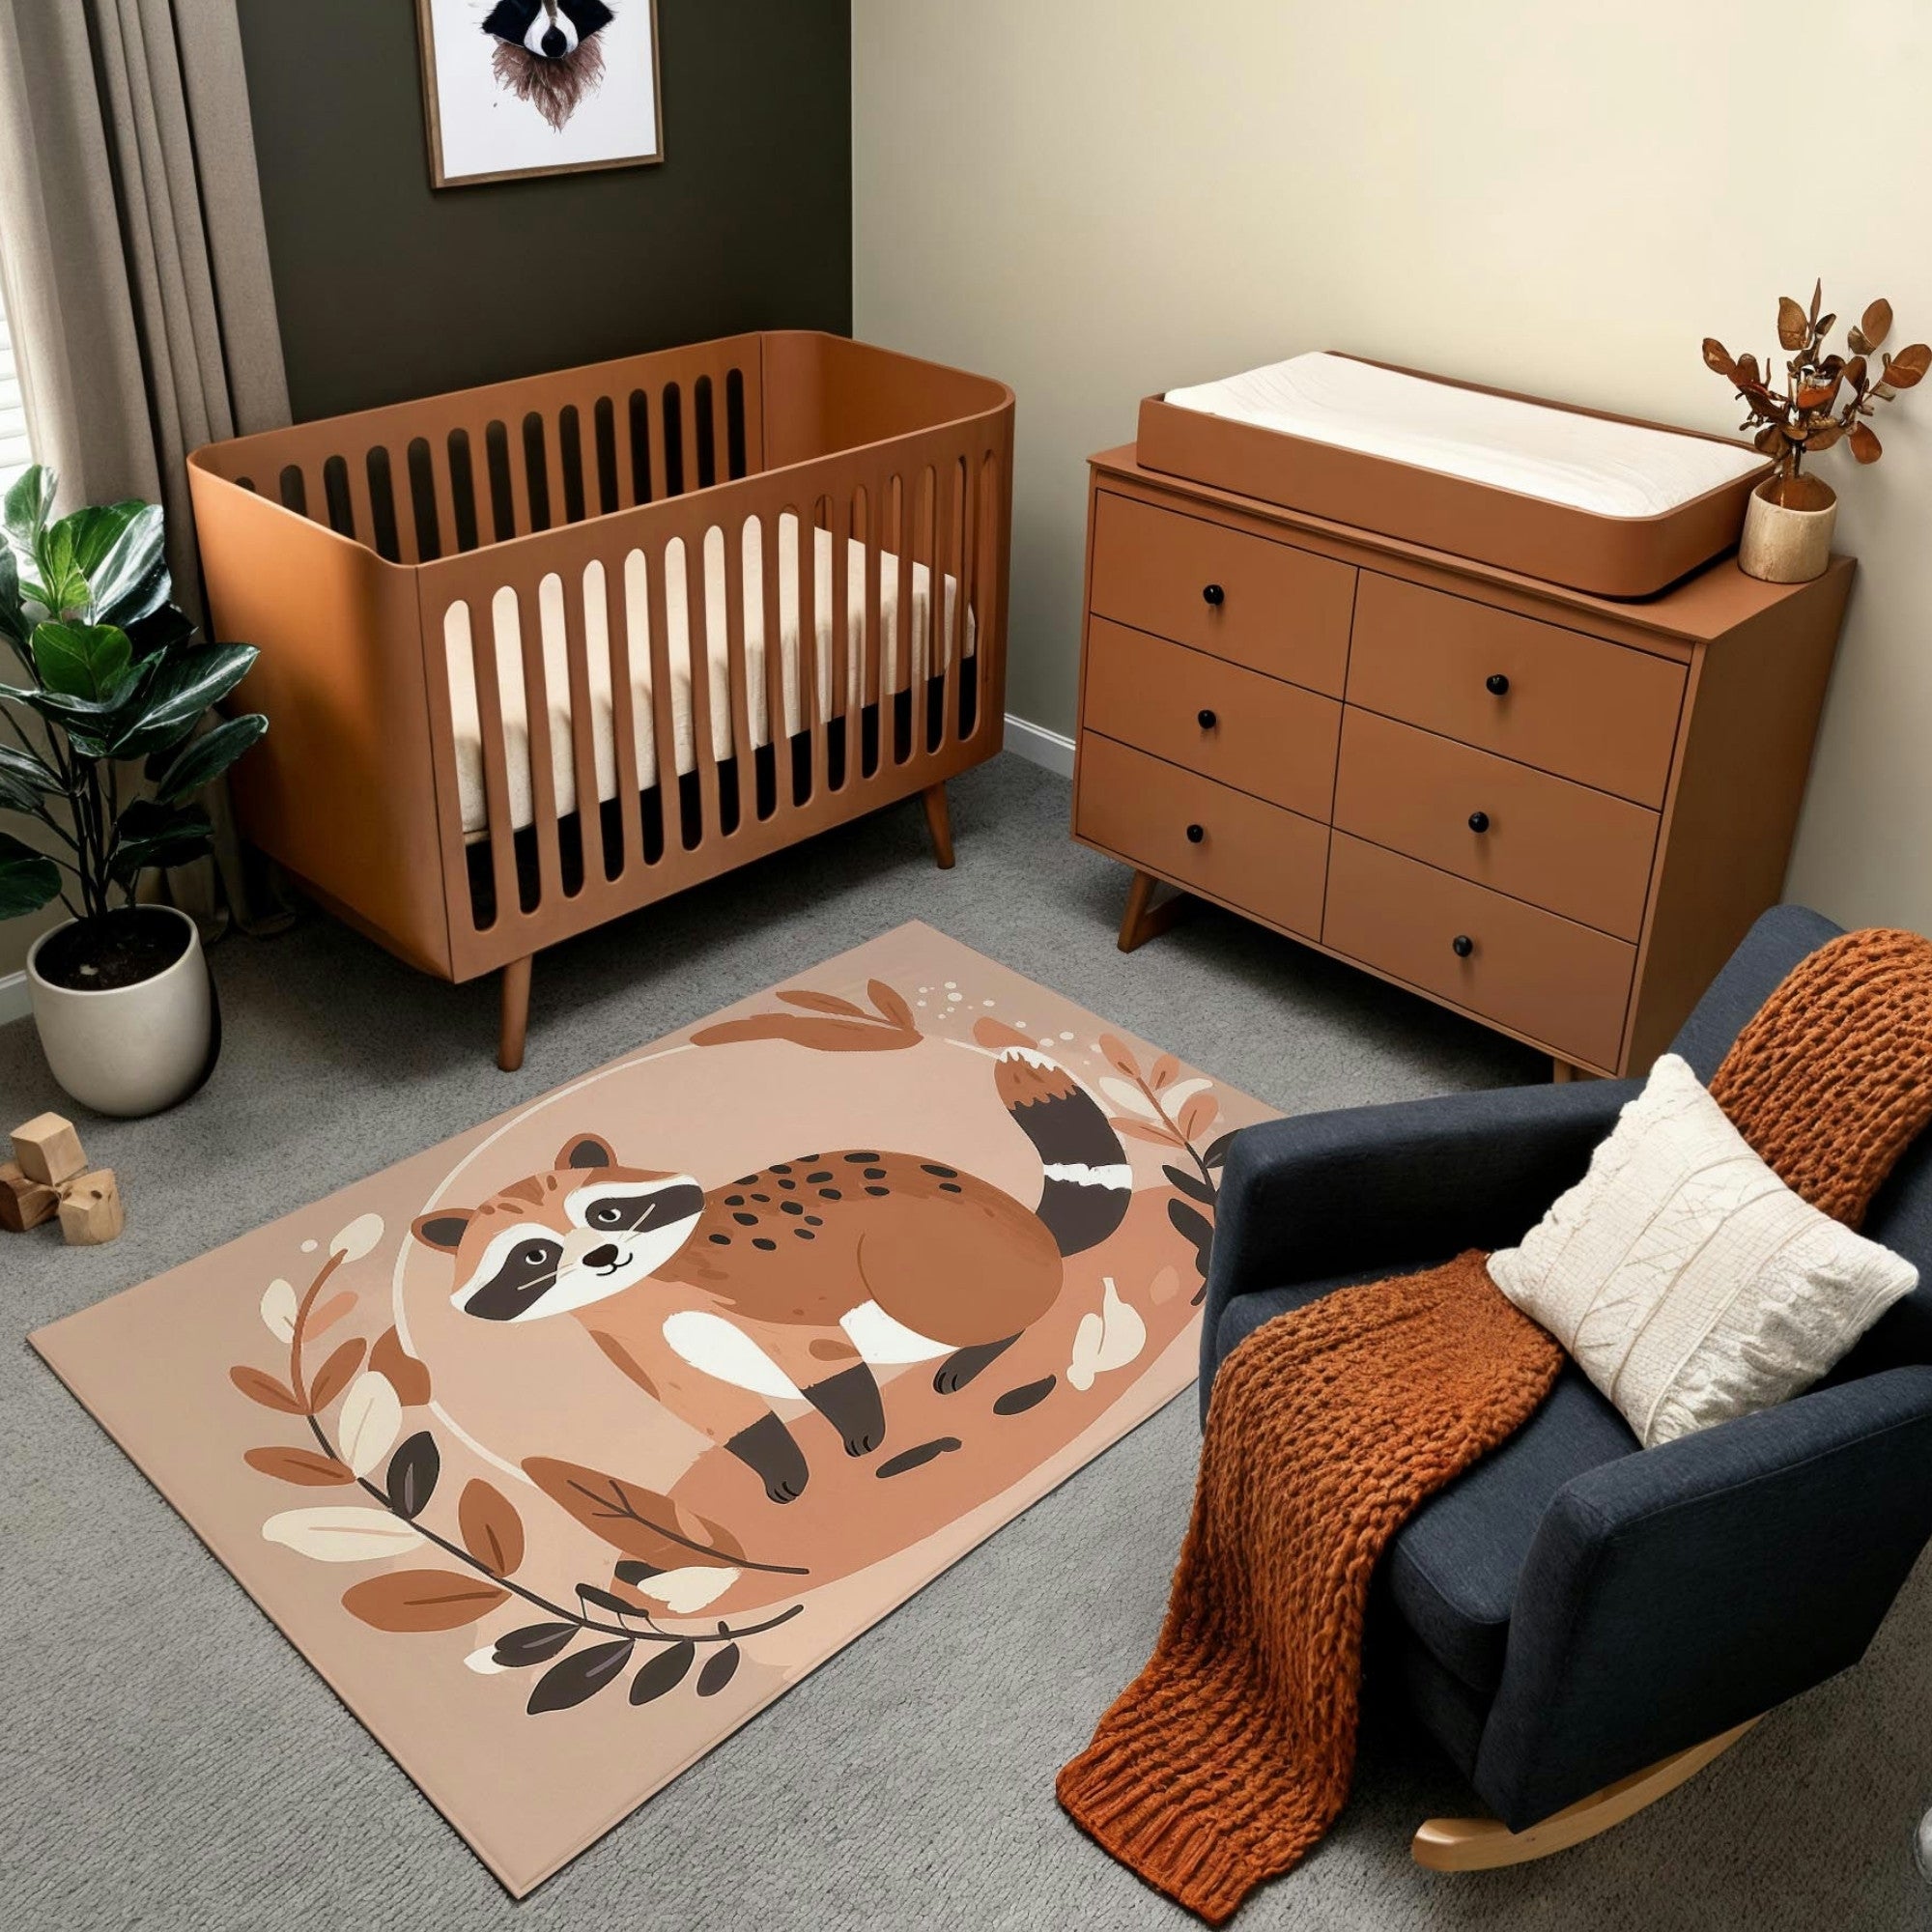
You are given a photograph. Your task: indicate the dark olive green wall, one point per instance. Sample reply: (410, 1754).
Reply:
(389, 289)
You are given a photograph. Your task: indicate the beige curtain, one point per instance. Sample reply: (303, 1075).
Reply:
(136, 258)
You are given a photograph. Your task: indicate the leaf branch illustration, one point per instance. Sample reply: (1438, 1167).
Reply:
(826, 1023)
(492, 1539)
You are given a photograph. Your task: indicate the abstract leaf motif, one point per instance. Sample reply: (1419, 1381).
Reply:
(996, 1036)
(1126, 1093)
(278, 1309)
(1198, 1116)
(333, 1377)
(663, 1673)
(634, 1520)
(422, 1600)
(719, 1667)
(821, 1035)
(259, 1386)
(407, 1375)
(370, 1421)
(581, 1675)
(492, 1530)
(533, 1643)
(413, 1475)
(891, 1004)
(687, 1591)
(359, 1238)
(823, 1002)
(341, 1533)
(331, 1311)
(298, 1465)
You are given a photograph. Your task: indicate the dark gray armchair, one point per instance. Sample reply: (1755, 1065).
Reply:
(1573, 1609)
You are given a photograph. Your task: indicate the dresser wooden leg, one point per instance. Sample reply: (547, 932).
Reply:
(1142, 921)
(514, 1019)
(1562, 1072)
(939, 823)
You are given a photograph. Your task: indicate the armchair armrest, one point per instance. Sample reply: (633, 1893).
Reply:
(1319, 1195)
(1672, 1594)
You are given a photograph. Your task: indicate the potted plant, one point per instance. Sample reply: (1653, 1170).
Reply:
(1827, 399)
(106, 753)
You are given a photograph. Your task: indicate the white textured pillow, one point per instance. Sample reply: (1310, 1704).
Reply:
(1688, 1282)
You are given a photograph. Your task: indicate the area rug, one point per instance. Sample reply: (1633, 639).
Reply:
(564, 1448)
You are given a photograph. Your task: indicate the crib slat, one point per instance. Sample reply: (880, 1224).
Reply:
(543, 757)
(662, 724)
(687, 424)
(810, 713)
(944, 654)
(878, 498)
(969, 553)
(556, 466)
(496, 756)
(521, 523)
(582, 731)
(735, 668)
(654, 442)
(770, 528)
(842, 514)
(361, 510)
(902, 621)
(443, 492)
(620, 439)
(704, 751)
(623, 712)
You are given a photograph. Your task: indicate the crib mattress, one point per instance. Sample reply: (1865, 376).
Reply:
(1597, 502)
(504, 624)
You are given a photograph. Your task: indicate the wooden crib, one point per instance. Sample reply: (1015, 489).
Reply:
(445, 590)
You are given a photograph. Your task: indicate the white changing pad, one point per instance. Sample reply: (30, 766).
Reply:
(1608, 469)
(468, 720)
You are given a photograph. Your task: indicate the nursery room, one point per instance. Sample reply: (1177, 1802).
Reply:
(965, 965)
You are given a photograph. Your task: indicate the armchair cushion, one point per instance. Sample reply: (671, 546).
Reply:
(1453, 1567)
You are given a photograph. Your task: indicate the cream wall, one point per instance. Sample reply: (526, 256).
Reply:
(1094, 201)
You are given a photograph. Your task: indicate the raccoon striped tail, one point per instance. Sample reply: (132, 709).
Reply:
(1089, 1183)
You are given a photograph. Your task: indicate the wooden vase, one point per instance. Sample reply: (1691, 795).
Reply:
(1788, 524)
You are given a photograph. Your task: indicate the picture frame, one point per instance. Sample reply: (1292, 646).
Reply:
(514, 90)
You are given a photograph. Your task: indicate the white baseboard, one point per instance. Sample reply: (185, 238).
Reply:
(13, 998)
(1038, 746)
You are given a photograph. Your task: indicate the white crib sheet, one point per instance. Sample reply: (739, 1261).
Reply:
(1608, 469)
(504, 618)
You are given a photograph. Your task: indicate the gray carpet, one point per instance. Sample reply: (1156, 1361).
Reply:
(168, 1761)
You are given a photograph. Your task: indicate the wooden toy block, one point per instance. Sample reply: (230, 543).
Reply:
(24, 1204)
(49, 1151)
(90, 1209)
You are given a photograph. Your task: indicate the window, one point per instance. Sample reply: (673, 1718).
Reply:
(14, 454)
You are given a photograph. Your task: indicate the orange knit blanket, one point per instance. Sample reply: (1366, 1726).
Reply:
(1229, 1757)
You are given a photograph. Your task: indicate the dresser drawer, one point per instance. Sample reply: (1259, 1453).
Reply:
(1256, 733)
(1254, 856)
(1572, 704)
(1562, 984)
(1559, 845)
(1264, 605)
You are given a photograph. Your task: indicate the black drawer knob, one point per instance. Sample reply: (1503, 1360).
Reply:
(1195, 833)
(1496, 684)
(1206, 720)
(1463, 946)
(1213, 593)
(1479, 821)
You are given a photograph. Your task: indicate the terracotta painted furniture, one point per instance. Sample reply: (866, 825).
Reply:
(343, 548)
(1556, 812)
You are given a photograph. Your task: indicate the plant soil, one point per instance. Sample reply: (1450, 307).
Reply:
(122, 948)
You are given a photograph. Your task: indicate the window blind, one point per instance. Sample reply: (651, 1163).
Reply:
(14, 454)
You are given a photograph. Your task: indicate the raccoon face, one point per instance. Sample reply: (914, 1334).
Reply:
(549, 29)
(578, 1234)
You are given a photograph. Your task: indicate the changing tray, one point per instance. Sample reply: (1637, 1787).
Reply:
(1601, 503)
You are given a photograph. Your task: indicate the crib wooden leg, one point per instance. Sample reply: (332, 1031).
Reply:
(515, 1016)
(939, 823)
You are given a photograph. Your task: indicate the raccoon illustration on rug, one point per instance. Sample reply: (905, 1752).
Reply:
(550, 52)
(798, 1282)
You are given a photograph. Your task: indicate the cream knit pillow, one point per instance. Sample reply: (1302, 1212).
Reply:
(1689, 1283)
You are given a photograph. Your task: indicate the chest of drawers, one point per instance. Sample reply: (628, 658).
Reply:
(1554, 812)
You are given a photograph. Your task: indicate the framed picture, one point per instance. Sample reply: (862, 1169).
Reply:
(539, 87)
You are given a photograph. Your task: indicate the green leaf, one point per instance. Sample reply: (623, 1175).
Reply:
(28, 505)
(206, 757)
(82, 660)
(122, 556)
(28, 879)
(184, 684)
(166, 629)
(62, 587)
(29, 770)
(90, 723)
(153, 834)
(14, 623)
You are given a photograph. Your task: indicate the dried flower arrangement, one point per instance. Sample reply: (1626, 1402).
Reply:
(1827, 398)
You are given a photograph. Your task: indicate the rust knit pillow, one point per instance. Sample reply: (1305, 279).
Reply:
(1832, 1080)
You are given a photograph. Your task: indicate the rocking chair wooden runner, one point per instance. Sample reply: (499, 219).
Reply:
(1581, 1623)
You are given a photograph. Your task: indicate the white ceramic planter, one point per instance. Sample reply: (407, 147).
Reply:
(1785, 546)
(128, 1050)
